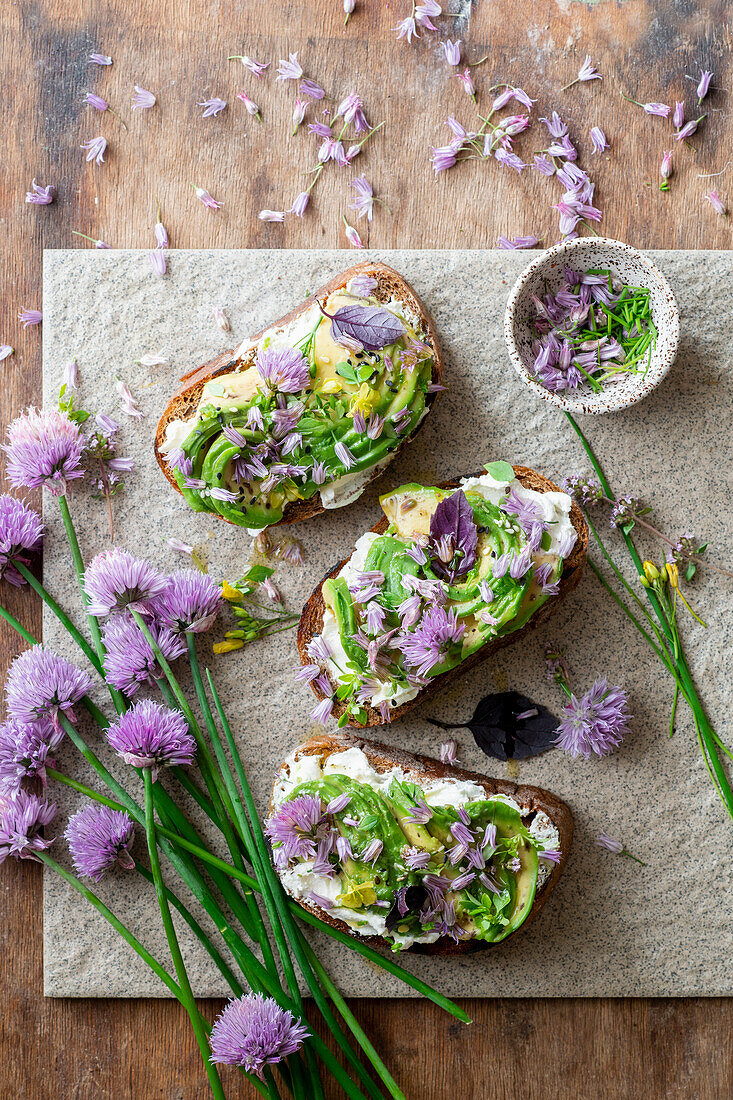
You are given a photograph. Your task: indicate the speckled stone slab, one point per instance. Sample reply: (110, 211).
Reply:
(613, 927)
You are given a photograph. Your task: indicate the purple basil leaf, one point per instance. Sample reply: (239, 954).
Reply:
(509, 726)
(453, 536)
(373, 327)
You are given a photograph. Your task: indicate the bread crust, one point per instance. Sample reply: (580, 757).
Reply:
(311, 619)
(383, 757)
(184, 401)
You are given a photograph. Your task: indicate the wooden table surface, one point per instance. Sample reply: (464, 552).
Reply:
(178, 48)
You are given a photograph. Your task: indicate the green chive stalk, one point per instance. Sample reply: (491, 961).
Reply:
(187, 998)
(708, 739)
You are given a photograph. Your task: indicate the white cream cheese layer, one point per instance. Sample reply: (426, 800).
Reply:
(555, 510)
(299, 879)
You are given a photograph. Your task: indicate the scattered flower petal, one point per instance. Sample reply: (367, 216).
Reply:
(95, 149)
(40, 196)
(142, 99)
(212, 107)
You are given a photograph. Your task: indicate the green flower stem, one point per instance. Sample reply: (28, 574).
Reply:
(11, 619)
(225, 772)
(117, 924)
(353, 1024)
(61, 616)
(93, 710)
(274, 896)
(706, 735)
(187, 998)
(173, 899)
(662, 654)
(94, 628)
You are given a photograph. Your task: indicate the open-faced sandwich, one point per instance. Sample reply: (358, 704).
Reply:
(449, 575)
(307, 412)
(408, 851)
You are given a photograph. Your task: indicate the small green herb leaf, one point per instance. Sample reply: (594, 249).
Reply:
(500, 471)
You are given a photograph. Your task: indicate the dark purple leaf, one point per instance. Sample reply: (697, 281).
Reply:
(508, 725)
(415, 899)
(373, 327)
(453, 537)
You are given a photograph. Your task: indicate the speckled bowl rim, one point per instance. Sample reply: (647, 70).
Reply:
(612, 403)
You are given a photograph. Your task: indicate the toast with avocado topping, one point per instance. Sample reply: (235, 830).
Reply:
(408, 851)
(301, 417)
(448, 576)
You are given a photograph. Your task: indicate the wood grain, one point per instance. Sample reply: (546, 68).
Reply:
(178, 48)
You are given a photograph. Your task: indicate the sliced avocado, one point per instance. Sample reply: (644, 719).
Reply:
(410, 508)
(401, 804)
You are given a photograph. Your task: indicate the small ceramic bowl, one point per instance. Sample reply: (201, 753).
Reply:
(546, 274)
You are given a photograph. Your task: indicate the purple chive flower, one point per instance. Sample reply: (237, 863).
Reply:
(598, 138)
(337, 804)
(40, 196)
(299, 113)
(25, 750)
(289, 70)
(665, 169)
(250, 104)
(516, 242)
(128, 404)
(678, 115)
(716, 202)
(452, 51)
(95, 101)
(254, 1032)
(129, 660)
(99, 59)
(585, 73)
(428, 644)
(21, 533)
(660, 109)
(318, 649)
(271, 215)
(158, 262)
(467, 81)
(596, 723)
(41, 684)
(364, 198)
(99, 838)
(703, 86)
(322, 712)
(255, 67)
(543, 165)
(687, 130)
(416, 859)
(374, 618)
(44, 448)
(311, 89)
(509, 160)
(116, 579)
(362, 285)
(425, 13)
(609, 843)
(306, 674)
(21, 819)
(407, 29)
(142, 99)
(445, 156)
(449, 752)
(283, 369)
(294, 829)
(212, 107)
(203, 195)
(190, 602)
(344, 455)
(550, 855)
(320, 900)
(95, 149)
(150, 735)
(29, 317)
(352, 236)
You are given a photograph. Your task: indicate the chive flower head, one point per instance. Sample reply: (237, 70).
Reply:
(21, 533)
(116, 579)
(190, 602)
(129, 660)
(596, 723)
(150, 735)
(21, 819)
(283, 369)
(44, 448)
(254, 1032)
(25, 750)
(99, 838)
(40, 685)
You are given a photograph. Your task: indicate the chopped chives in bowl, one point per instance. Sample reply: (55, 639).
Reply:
(591, 332)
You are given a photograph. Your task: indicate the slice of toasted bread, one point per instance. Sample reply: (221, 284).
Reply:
(383, 757)
(185, 401)
(311, 620)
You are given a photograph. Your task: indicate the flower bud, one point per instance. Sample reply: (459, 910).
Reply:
(650, 571)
